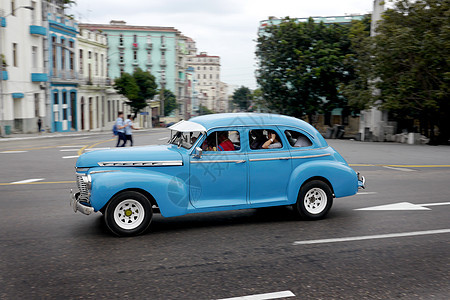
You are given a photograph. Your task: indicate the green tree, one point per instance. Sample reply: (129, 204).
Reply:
(243, 97)
(137, 88)
(302, 65)
(170, 102)
(407, 62)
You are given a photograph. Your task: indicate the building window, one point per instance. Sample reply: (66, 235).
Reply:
(89, 54)
(13, 7)
(34, 56)
(135, 55)
(81, 61)
(14, 54)
(36, 105)
(163, 40)
(71, 61)
(135, 38)
(121, 40)
(54, 54)
(102, 73)
(96, 64)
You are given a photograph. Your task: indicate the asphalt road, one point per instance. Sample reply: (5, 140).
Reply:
(397, 251)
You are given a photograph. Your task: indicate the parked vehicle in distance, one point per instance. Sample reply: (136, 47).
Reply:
(213, 163)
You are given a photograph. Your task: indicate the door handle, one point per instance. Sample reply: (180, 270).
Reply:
(284, 158)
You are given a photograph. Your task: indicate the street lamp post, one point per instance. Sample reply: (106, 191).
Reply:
(2, 67)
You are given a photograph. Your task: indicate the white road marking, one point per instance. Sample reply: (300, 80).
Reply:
(73, 156)
(434, 204)
(72, 146)
(13, 151)
(92, 149)
(27, 181)
(399, 169)
(162, 139)
(366, 193)
(68, 150)
(276, 295)
(372, 237)
(82, 138)
(396, 206)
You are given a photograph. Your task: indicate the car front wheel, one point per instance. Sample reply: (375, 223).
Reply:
(314, 200)
(128, 214)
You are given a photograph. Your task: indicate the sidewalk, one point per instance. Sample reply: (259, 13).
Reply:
(46, 135)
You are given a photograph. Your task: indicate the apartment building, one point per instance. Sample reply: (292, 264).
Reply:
(22, 67)
(211, 91)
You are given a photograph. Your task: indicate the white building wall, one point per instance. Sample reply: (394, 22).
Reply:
(23, 53)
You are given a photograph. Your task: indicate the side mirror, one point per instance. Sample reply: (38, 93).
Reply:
(199, 152)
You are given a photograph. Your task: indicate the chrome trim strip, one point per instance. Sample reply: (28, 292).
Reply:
(140, 163)
(311, 156)
(270, 158)
(104, 171)
(298, 149)
(216, 161)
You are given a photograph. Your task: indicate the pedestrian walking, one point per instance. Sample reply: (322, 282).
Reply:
(128, 128)
(39, 123)
(120, 126)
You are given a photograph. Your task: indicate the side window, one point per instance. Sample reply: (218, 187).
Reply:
(297, 139)
(264, 139)
(222, 141)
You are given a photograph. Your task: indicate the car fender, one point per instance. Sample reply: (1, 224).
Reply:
(169, 191)
(343, 179)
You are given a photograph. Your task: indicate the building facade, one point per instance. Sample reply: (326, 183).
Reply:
(22, 67)
(63, 87)
(211, 92)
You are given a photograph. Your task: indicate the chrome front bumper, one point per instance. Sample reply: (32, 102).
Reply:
(361, 181)
(82, 207)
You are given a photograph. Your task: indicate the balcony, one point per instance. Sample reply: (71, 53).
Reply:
(163, 46)
(38, 30)
(163, 63)
(135, 46)
(135, 62)
(121, 63)
(149, 64)
(149, 46)
(121, 47)
(39, 77)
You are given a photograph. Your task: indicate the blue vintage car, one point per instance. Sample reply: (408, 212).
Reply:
(213, 163)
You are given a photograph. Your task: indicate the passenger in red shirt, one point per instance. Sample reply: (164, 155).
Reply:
(225, 143)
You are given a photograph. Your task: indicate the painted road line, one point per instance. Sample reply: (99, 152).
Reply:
(395, 206)
(435, 204)
(27, 181)
(80, 151)
(14, 151)
(276, 295)
(372, 237)
(399, 169)
(40, 182)
(366, 193)
(399, 166)
(68, 150)
(162, 139)
(73, 156)
(92, 149)
(71, 146)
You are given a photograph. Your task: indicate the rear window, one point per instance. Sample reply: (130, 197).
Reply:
(297, 139)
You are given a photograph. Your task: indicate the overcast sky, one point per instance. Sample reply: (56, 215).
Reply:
(226, 28)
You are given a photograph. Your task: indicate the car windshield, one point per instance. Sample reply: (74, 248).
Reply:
(184, 139)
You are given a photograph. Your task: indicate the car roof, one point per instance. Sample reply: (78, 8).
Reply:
(248, 119)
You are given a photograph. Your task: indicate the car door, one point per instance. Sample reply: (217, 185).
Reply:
(219, 178)
(269, 169)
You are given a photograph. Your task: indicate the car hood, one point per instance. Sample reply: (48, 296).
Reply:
(148, 156)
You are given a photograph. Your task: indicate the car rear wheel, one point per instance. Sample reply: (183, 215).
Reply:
(128, 213)
(314, 200)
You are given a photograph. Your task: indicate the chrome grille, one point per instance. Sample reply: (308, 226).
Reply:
(82, 186)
